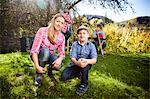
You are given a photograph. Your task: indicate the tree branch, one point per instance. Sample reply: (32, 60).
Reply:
(72, 5)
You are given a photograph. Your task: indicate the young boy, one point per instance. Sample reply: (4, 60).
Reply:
(83, 54)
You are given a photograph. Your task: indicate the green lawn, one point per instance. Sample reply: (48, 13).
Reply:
(124, 76)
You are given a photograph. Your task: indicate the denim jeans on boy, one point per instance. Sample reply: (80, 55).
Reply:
(76, 71)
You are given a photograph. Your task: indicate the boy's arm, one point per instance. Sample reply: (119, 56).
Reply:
(82, 62)
(79, 62)
(93, 55)
(91, 61)
(76, 62)
(94, 34)
(73, 53)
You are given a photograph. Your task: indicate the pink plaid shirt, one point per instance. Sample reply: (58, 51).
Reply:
(68, 22)
(41, 40)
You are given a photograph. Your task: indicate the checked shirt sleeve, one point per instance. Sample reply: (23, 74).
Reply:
(37, 42)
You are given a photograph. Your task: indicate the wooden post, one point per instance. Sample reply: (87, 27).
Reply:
(68, 46)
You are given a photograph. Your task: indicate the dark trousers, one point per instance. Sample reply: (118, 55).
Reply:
(75, 71)
(67, 34)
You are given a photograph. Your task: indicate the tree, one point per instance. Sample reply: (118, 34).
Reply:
(13, 11)
(116, 5)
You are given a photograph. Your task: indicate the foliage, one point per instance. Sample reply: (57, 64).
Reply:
(120, 39)
(24, 17)
(16, 70)
(114, 76)
(126, 39)
(116, 5)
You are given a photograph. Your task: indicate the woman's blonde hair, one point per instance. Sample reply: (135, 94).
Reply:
(51, 29)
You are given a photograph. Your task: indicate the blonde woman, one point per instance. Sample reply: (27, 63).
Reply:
(46, 41)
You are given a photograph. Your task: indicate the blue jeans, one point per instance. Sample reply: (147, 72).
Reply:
(45, 57)
(76, 71)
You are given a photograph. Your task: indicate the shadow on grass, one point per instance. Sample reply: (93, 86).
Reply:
(4, 87)
(130, 69)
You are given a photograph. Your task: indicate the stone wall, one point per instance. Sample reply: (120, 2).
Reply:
(22, 18)
(13, 44)
(9, 44)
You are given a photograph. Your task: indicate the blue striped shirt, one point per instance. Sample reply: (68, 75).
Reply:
(87, 51)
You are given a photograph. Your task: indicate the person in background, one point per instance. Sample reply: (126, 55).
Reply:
(67, 29)
(46, 41)
(83, 54)
(99, 34)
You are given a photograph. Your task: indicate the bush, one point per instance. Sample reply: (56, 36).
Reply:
(126, 39)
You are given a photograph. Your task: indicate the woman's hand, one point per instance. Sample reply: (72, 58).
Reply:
(40, 69)
(57, 63)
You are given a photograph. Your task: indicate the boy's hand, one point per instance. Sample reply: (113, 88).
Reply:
(83, 62)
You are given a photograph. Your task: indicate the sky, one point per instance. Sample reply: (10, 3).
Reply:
(141, 8)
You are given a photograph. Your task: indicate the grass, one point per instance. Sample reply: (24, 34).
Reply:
(115, 76)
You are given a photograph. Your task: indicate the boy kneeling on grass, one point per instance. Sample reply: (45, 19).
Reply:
(83, 54)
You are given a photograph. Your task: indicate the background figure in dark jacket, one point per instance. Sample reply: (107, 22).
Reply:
(67, 28)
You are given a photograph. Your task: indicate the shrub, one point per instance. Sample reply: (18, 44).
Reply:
(126, 39)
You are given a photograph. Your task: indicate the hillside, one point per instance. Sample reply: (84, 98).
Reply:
(138, 21)
(142, 23)
(90, 17)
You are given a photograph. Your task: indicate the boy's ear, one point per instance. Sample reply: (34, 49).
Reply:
(88, 35)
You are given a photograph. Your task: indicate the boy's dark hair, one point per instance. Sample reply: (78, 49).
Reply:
(100, 24)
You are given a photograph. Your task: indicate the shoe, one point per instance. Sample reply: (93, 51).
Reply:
(36, 83)
(80, 76)
(82, 89)
(38, 80)
(50, 74)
